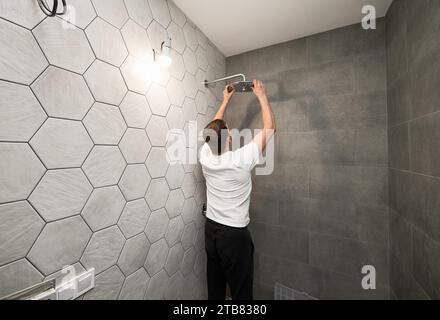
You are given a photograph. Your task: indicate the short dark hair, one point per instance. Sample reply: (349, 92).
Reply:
(215, 135)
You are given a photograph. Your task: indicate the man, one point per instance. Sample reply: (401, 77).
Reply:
(229, 245)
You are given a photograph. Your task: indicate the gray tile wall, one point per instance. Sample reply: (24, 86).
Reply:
(84, 180)
(413, 43)
(323, 214)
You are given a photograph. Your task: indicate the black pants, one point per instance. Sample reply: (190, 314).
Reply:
(230, 254)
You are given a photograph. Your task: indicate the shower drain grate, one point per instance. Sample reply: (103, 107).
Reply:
(285, 293)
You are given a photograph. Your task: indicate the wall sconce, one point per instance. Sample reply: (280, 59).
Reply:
(54, 11)
(164, 58)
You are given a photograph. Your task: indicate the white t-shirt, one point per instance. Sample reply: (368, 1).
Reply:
(229, 184)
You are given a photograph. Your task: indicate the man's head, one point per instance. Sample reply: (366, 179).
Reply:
(216, 135)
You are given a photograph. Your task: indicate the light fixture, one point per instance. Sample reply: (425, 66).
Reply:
(54, 11)
(164, 58)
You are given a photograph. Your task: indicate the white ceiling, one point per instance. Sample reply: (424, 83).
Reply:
(237, 26)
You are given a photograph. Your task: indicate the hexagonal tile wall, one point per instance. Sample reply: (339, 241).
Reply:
(62, 143)
(20, 113)
(157, 225)
(134, 182)
(65, 145)
(103, 208)
(61, 194)
(134, 218)
(157, 256)
(174, 286)
(21, 170)
(189, 185)
(63, 94)
(70, 236)
(19, 227)
(135, 146)
(67, 48)
(21, 60)
(107, 42)
(135, 110)
(105, 124)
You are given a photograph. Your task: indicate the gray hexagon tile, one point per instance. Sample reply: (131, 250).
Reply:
(159, 74)
(103, 208)
(137, 41)
(156, 287)
(177, 68)
(202, 59)
(175, 203)
(61, 194)
(113, 11)
(63, 94)
(19, 227)
(202, 39)
(200, 80)
(103, 249)
(21, 60)
(190, 36)
(174, 231)
(200, 195)
(135, 146)
(106, 83)
(157, 225)
(157, 194)
(188, 260)
(135, 110)
(67, 48)
(158, 98)
(62, 143)
(189, 185)
(135, 286)
(157, 163)
(61, 277)
(80, 13)
(201, 103)
(175, 176)
(190, 85)
(134, 254)
(139, 11)
(107, 42)
(157, 256)
(189, 236)
(21, 170)
(134, 182)
(105, 124)
(200, 238)
(200, 263)
(157, 130)
(174, 259)
(174, 286)
(134, 218)
(178, 38)
(176, 14)
(135, 73)
(20, 113)
(189, 109)
(60, 243)
(176, 92)
(160, 11)
(107, 285)
(175, 118)
(190, 210)
(157, 34)
(18, 276)
(190, 60)
(104, 166)
(23, 12)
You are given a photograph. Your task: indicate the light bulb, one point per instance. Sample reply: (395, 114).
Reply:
(164, 61)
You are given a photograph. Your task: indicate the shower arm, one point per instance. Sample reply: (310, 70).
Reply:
(207, 83)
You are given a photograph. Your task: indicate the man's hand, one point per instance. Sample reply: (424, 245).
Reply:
(259, 89)
(228, 93)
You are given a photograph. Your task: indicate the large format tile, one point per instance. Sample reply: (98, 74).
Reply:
(190, 36)
(177, 68)
(156, 257)
(105, 124)
(134, 182)
(174, 259)
(157, 130)
(157, 193)
(135, 75)
(103, 249)
(157, 35)
(160, 11)
(175, 203)
(135, 286)
(157, 163)
(399, 146)
(190, 85)
(188, 260)
(175, 91)
(103, 208)
(157, 225)
(137, 41)
(135, 146)
(190, 61)
(22, 12)
(176, 14)
(61, 193)
(62, 143)
(139, 11)
(175, 118)
(113, 11)
(178, 38)
(63, 94)
(158, 99)
(20, 113)
(65, 48)
(189, 236)
(134, 254)
(134, 218)
(21, 171)
(135, 110)
(157, 286)
(60, 243)
(80, 13)
(22, 60)
(18, 276)
(174, 176)
(108, 284)
(174, 231)
(19, 227)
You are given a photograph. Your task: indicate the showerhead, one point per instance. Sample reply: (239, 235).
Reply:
(242, 86)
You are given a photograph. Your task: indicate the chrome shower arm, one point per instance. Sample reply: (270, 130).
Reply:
(224, 79)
